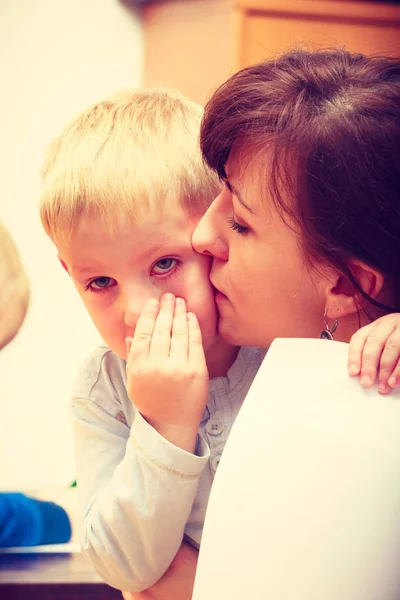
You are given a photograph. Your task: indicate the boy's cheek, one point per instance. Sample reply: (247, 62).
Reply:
(200, 298)
(206, 262)
(207, 314)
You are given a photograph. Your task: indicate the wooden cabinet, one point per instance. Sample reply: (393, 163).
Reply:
(194, 45)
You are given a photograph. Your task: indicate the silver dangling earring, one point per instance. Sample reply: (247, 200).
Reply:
(327, 333)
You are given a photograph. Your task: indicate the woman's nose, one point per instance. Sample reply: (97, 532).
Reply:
(208, 236)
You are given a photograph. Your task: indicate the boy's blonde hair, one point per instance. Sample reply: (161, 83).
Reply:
(126, 157)
(14, 297)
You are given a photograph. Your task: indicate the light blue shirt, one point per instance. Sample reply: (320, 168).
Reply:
(139, 493)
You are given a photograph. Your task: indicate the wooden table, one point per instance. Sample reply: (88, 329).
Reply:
(51, 577)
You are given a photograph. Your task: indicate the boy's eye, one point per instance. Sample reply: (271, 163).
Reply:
(101, 283)
(164, 265)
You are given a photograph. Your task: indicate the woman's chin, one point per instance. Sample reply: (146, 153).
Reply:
(229, 333)
(235, 336)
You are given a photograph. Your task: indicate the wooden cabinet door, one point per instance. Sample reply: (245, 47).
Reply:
(194, 45)
(270, 26)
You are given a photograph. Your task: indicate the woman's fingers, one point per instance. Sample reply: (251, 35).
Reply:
(378, 352)
(180, 335)
(394, 379)
(389, 369)
(140, 344)
(375, 349)
(356, 348)
(372, 352)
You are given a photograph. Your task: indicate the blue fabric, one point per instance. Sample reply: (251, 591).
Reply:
(25, 521)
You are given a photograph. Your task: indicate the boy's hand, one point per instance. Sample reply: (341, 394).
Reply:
(167, 376)
(377, 347)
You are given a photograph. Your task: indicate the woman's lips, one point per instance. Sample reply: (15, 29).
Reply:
(219, 295)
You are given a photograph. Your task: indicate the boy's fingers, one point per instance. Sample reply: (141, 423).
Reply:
(389, 361)
(372, 352)
(128, 345)
(161, 339)
(180, 335)
(196, 351)
(356, 348)
(141, 341)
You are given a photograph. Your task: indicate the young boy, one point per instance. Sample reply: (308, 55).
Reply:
(123, 188)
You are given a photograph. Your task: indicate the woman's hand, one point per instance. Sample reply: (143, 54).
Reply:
(167, 376)
(375, 350)
(177, 583)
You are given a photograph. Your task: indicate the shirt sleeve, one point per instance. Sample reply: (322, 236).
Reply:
(136, 490)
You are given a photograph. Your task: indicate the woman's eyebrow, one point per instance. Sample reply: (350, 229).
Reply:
(236, 193)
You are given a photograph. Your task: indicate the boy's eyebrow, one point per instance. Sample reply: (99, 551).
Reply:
(236, 193)
(82, 269)
(143, 256)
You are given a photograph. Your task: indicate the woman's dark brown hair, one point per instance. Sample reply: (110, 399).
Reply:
(338, 114)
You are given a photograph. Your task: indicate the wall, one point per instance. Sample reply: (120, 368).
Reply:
(55, 58)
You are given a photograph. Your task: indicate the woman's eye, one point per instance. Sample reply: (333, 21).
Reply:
(241, 229)
(164, 265)
(101, 283)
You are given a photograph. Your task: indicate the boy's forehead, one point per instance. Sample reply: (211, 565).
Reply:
(145, 236)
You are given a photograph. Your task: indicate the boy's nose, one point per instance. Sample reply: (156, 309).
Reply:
(133, 305)
(208, 237)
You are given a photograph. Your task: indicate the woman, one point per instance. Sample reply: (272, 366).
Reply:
(305, 235)
(307, 227)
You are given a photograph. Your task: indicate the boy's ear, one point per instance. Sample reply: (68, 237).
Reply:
(64, 266)
(343, 298)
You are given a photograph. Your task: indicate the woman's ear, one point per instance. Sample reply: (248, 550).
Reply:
(343, 298)
(63, 264)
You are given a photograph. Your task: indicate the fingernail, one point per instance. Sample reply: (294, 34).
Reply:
(180, 302)
(353, 369)
(168, 297)
(366, 380)
(152, 302)
(392, 381)
(382, 389)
